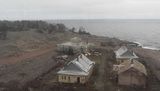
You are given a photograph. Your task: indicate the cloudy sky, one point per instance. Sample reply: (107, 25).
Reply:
(79, 9)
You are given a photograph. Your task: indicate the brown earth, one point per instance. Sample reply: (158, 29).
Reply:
(27, 55)
(152, 59)
(23, 72)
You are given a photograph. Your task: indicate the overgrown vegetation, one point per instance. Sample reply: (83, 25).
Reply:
(3, 30)
(82, 31)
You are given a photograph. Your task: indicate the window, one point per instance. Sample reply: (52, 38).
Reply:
(69, 78)
(63, 77)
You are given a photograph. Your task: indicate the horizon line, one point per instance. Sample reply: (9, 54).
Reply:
(80, 19)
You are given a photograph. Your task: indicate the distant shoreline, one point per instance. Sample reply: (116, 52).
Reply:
(147, 47)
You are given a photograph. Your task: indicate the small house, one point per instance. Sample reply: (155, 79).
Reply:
(123, 53)
(68, 46)
(77, 71)
(132, 73)
(76, 40)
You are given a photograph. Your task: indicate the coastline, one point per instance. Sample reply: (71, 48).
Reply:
(151, 48)
(146, 47)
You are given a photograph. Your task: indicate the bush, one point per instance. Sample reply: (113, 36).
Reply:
(82, 31)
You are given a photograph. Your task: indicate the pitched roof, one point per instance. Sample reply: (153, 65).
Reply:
(124, 52)
(79, 66)
(68, 44)
(73, 43)
(126, 65)
(76, 40)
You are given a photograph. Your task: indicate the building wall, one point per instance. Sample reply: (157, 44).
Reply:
(131, 78)
(75, 49)
(72, 79)
(120, 60)
(62, 48)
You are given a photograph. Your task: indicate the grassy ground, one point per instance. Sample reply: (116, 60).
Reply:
(104, 63)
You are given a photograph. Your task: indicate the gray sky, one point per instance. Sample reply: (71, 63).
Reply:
(79, 9)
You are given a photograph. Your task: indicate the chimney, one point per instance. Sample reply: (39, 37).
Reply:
(87, 41)
(80, 56)
(77, 58)
(132, 61)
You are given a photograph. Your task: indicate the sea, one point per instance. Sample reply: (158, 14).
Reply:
(146, 32)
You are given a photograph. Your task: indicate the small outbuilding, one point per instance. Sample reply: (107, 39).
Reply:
(123, 54)
(68, 46)
(76, 40)
(77, 71)
(74, 45)
(132, 73)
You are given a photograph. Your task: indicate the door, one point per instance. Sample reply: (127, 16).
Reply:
(78, 79)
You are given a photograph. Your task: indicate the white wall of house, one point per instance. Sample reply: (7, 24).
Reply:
(72, 79)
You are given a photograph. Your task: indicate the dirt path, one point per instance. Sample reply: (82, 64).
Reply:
(101, 73)
(28, 55)
(103, 80)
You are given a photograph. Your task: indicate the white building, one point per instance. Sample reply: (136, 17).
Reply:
(74, 44)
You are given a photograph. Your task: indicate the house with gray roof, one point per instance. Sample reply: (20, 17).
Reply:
(78, 70)
(123, 53)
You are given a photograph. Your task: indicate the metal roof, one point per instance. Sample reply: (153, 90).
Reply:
(76, 40)
(68, 44)
(79, 66)
(124, 52)
(72, 44)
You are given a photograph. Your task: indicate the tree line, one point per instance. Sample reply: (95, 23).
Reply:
(39, 26)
